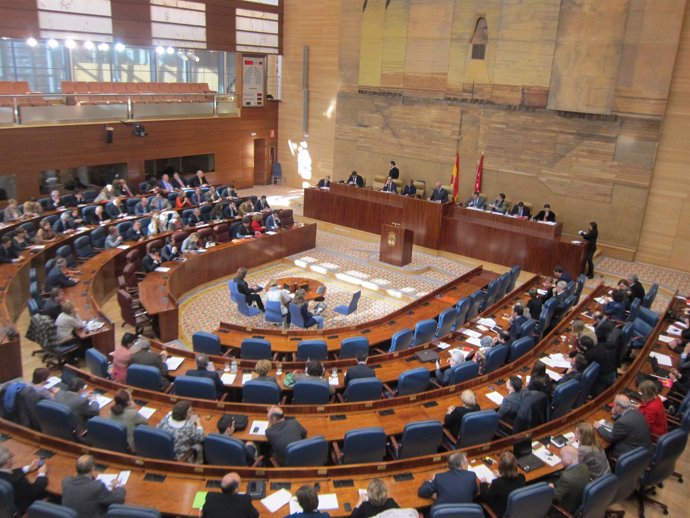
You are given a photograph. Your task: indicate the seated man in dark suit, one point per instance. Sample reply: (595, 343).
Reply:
(439, 194)
(457, 356)
(205, 369)
(135, 233)
(500, 204)
(7, 252)
(57, 277)
(571, 483)
(511, 403)
(636, 288)
(324, 183)
(144, 356)
(115, 209)
(458, 485)
(87, 496)
(252, 294)
(410, 189)
(82, 409)
(229, 503)
(195, 218)
(361, 370)
(355, 179)
(521, 210)
(151, 261)
(630, 429)
(25, 492)
(517, 320)
(389, 186)
(281, 432)
(545, 214)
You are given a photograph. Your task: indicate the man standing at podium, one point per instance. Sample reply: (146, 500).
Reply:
(394, 172)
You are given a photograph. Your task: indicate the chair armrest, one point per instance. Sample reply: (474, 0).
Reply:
(259, 461)
(274, 462)
(561, 510)
(394, 442)
(224, 397)
(227, 353)
(387, 390)
(339, 396)
(504, 428)
(378, 351)
(436, 384)
(336, 454)
(488, 511)
(453, 440)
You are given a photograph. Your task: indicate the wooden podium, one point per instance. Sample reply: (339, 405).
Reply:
(396, 245)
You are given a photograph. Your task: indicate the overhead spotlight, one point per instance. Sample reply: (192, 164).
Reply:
(31, 42)
(139, 130)
(69, 44)
(182, 55)
(192, 56)
(119, 46)
(52, 43)
(103, 47)
(88, 45)
(170, 50)
(160, 50)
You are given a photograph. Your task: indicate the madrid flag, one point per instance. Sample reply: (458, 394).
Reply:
(480, 169)
(454, 177)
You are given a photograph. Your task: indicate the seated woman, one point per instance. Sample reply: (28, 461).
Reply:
(125, 412)
(185, 427)
(256, 223)
(496, 494)
(652, 408)
(308, 500)
(11, 212)
(191, 243)
(374, 502)
(261, 370)
(182, 202)
(309, 318)
(454, 415)
(122, 357)
(21, 240)
(590, 452)
(539, 380)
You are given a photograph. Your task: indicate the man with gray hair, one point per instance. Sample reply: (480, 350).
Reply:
(630, 428)
(144, 356)
(25, 492)
(458, 485)
(457, 356)
(571, 483)
(636, 288)
(87, 496)
(205, 369)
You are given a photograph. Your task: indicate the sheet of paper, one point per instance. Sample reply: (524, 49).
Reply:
(482, 328)
(558, 361)
(474, 341)
(107, 478)
(174, 362)
(673, 330)
(199, 499)
(472, 333)
(258, 427)
(483, 473)
(443, 345)
(147, 412)
(52, 381)
(123, 247)
(276, 500)
(101, 400)
(246, 378)
(600, 300)
(553, 375)
(541, 291)
(547, 456)
(666, 339)
(488, 322)
(663, 359)
(496, 397)
(162, 269)
(680, 324)
(270, 233)
(227, 378)
(333, 380)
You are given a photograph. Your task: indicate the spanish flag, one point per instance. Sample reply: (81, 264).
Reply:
(454, 180)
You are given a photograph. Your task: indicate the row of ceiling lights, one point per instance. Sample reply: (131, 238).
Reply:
(119, 46)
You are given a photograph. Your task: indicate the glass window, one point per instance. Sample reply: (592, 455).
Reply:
(206, 70)
(171, 68)
(182, 164)
(132, 65)
(91, 65)
(84, 176)
(42, 67)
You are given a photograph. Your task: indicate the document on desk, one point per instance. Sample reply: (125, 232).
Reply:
(107, 479)
(174, 362)
(553, 375)
(51, 382)
(666, 339)
(101, 400)
(146, 412)
(496, 397)
(333, 380)
(276, 500)
(483, 473)
(472, 333)
(162, 269)
(258, 427)
(547, 456)
(474, 341)
(246, 378)
(227, 378)
(443, 345)
(488, 322)
(673, 330)
(123, 247)
(663, 359)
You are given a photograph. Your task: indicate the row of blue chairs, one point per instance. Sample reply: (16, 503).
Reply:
(43, 509)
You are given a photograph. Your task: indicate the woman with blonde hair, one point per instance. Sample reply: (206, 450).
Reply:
(11, 212)
(374, 502)
(261, 370)
(590, 452)
(652, 408)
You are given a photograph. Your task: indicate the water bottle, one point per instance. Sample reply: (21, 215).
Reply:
(233, 366)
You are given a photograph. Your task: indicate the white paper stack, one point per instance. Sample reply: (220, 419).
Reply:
(258, 427)
(663, 359)
(174, 362)
(547, 456)
(483, 473)
(496, 397)
(277, 500)
(147, 412)
(227, 378)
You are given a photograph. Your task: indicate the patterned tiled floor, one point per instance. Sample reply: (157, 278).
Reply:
(347, 264)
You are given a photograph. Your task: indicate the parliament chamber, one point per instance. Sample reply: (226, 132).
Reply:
(140, 140)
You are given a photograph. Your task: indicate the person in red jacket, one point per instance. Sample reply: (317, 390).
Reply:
(652, 408)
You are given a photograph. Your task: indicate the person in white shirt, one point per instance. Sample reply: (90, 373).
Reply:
(68, 322)
(279, 294)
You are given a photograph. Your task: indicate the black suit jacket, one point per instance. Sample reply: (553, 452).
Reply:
(526, 212)
(228, 505)
(283, 433)
(148, 264)
(496, 494)
(357, 180)
(359, 371)
(439, 194)
(7, 254)
(541, 214)
(324, 183)
(25, 492)
(212, 375)
(114, 211)
(453, 421)
(457, 486)
(391, 187)
(394, 172)
(56, 278)
(630, 430)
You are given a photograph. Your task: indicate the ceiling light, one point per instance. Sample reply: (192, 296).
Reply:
(31, 42)
(182, 55)
(88, 45)
(170, 50)
(69, 44)
(192, 56)
(52, 43)
(119, 46)
(160, 50)
(103, 47)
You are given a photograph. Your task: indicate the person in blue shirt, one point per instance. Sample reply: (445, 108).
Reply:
(308, 500)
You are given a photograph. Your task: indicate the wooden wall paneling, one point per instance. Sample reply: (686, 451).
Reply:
(220, 26)
(131, 21)
(18, 21)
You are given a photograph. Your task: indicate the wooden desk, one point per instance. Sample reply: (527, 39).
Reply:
(159, 292)
(292, 284)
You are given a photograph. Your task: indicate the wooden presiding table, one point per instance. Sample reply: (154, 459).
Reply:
(534, 246)
(160, 291)
(312, 287)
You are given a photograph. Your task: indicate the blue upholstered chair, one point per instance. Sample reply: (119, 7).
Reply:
(423, 332)
(351, 347)
(462, 307)
(107, 434)
(145, 377)
(478, 428)
(563, 398)
(351, 307)
(446, 320)
(7, 498)
(307, 452)
(255, 349)
(533, 501)
(456, 511)
(221, 450)
(154, 443)
(56, 419)
(244, 308)
(520, 347)
(597, 496)
(418, 439)
(669, 447)
(589, 378)
(43, 509)
(312, 350)
(195, 387)
(207, 343)
(310, 392)
(495, 358)
(261, 392)
(362, 445)
(400, 341)
(130, 511)
(363, 389)
(629, 469)
(463, 372)
(96, 362)
(413, 381)
(273, 312)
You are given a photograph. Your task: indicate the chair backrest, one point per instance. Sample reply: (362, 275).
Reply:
(221, 450)
(528, 328)
(65, 251)
(476, 301)
(478, 428)
(649, 297)
(97, 236)
(82, 247)
(463, 372)
(598, 495)
(196, 387)
(352, 306)
(578, 287)
(629, 468)
(423, 332)
(124, 227)
(351, 347)
(96, 362)
(514, 274)
(7, 498)
(446, 320)
(495, 358)
(648, 316)
(232, 286)
(634, 310)
(296, 318)
(154, 443)
(130, 511)
(310, 392)
(564, 397)
(55, 419)
(668, 448)
(589, 377)
(144, 376)
(106, 434)
(206, 343)
(401, 340)
(462, 307)
(33, 306)
(533, 501)
(312, 349)
(273, 311)
(307, 452)
(456, 511)
(420, 438)
(413, 381)
(43, 509)
(364, 445)
(261, 392)
(363, 389)
(491, 291)
(255, 349)
(222, 233)
(521, 346)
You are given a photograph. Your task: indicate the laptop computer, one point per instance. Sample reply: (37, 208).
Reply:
(427, 355)
(658, 371)
(527, 460)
